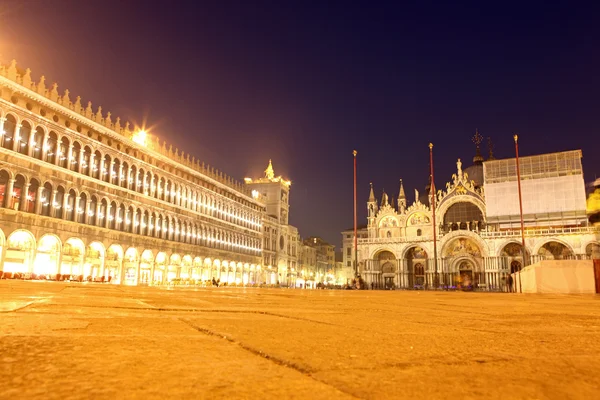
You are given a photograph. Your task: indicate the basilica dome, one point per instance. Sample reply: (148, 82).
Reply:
(475, 173)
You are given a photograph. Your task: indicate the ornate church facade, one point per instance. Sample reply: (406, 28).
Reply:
(478, 236)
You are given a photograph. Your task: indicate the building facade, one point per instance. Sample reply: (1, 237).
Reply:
(477, 228)
(84, 196)
(280, 239)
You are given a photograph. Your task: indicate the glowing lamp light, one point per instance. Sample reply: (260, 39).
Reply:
(140, 137)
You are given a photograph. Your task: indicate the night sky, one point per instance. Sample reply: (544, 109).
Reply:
(238, 83)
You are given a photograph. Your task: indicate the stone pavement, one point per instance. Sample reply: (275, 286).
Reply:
(80, 341)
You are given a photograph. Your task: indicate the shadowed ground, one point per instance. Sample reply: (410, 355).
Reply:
(68, 341)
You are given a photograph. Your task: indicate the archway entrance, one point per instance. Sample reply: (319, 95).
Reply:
(112, 263)
(146, 267)
(465, 275)
(93, 266)
(71, 266)
(416, 260)
(130, 264)
(463, 257)
(19, 253)
(160, 264)
(46, 260)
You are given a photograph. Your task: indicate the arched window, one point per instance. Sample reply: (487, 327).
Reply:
(75, 154)
(58, 203)
(106, 168)
(112, 215)
(4, 178)
(10, 126)
(129, 220)
(389, 234)
(124, 175)
(81, 208)
(23, 138)
(121, 218)
(63, 152)
(70, 213)
(144, 224)
(131, 178)
(115, 172)
(47, 199)
(85, 162)
(147, 183)
(167, 229)
(38, 142)
(137, 224)
(92, 215)
(158, 226)
(96, 165)
(103, 211)
(51, 147)
(17, 193)
(32, 195)
(140, 181)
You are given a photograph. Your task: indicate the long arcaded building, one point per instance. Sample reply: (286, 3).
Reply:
(85, 196)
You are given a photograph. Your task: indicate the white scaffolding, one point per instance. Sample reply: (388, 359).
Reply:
(552, 188)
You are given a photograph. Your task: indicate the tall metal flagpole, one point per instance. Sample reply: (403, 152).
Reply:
(432, 189)
(516, 137)
(355, 228)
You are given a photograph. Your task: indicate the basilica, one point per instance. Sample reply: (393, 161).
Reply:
(476, 240)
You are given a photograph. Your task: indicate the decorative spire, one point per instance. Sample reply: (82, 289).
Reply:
(77, 105)
(371, 194)
(66, 101)
(490, 149)
(11, 72)
(54, 92)
(477, 140)
(269, 172)
(27, 79)
(401, 198)
(401, 195)
(384, 199)
(41, 87)
(88, 110)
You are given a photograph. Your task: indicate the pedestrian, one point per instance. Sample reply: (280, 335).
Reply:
(509, 283)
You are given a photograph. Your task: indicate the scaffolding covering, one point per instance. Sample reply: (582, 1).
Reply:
(550, 184)
(533, 167)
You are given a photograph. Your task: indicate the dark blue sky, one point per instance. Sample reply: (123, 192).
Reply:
(237, 83)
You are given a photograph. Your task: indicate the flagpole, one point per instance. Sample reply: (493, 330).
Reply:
(432, 190)
(355, 219)
(516, 137)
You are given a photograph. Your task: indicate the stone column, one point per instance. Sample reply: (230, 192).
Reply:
(38, 200)
(31, 145)
(91, 166)
(120, 175)
(76, 209)
(9, 193)
(57, 152)
(16, 139)
(111, 168)
(69, 156)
